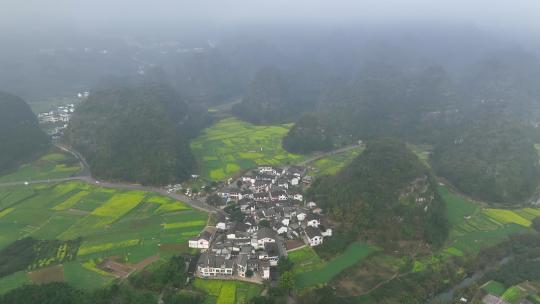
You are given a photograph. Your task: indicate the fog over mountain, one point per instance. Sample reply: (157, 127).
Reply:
(331, 151)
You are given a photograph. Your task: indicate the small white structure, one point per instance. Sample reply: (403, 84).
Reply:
(200, 242)
(313, 236)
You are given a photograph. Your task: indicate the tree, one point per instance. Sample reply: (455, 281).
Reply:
(264, 223)
(284, 265)
(536, 224)
(239, 183)
(286, 281)
(249, 273)
(214, 200)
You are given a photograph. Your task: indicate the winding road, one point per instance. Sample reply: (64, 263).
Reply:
(86, 176)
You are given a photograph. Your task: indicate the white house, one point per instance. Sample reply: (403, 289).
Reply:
(295, 181)
(298, 197)
(301, 215)
(210, 265)
(264, 267)
(313, 236)
(311, 205)
(327, 232)
(263, 236)
(201, 242)
(221, 225)
(313, 220)
(241, 265)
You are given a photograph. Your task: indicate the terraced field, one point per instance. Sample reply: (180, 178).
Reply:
(232, 145)
(475, 227)
(52, 165)
(131, 225)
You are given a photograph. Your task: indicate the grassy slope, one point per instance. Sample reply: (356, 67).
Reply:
(133, 232)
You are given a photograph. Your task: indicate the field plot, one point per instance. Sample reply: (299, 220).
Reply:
(494, 288)
(227, 292)
(47, 275)
(474, 227)
(355, 253)
(53, 165)
(333, 163)
(232, 145)
(128, 225)
(305, 259)
(13, 281)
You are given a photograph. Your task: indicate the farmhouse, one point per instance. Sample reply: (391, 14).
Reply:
(202, 241)
(313, 236)
(313, 220)
(263, 236)
(214, 265)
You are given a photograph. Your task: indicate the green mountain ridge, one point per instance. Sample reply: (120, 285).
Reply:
(137, 134)
(21, 137)
(387, 195)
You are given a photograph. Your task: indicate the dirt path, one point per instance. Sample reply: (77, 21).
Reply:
(149, 260)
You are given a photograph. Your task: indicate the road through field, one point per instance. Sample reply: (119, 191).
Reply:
(85, 176)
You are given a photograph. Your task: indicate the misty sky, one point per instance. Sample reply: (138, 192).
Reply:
(507, 15)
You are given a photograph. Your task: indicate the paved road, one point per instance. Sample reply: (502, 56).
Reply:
(85, 176)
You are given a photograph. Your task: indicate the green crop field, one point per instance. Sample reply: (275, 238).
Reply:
(474, 227)
(355, 253)
(513, 294)
(132, 225)
(232, 145)
(227, 292)
(52, 165)
(305, 259)
(494, 288)
(333, 163)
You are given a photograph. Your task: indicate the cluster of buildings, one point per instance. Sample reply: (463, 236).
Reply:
(57, 118)
(266, 215)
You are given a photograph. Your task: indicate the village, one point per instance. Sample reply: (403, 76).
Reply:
(264, 216)
(56, 121)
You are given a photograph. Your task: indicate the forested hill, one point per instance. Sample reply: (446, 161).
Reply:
(277, 97)
(20, 135)
(385, 102)
(491, 160)
(137, 134)
(387, 195)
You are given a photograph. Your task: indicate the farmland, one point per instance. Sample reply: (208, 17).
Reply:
(326, 271)
(227, 292)
(475, 227)
(129, 225)
(52, 165)
(232, 145)
(333, 163)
